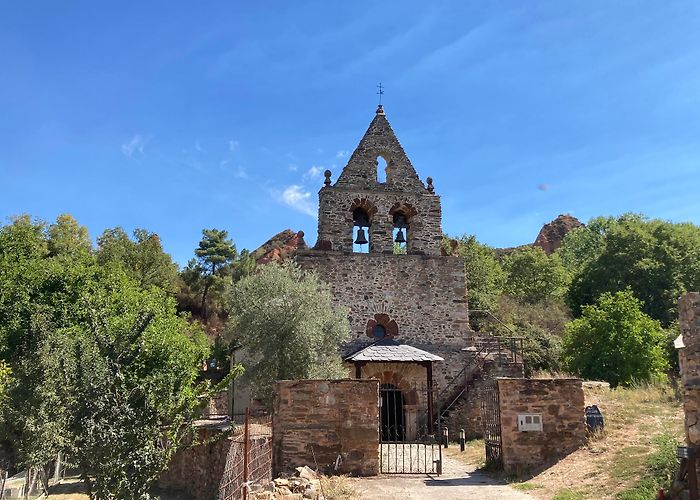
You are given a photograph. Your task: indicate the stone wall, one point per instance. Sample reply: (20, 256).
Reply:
(466, 414)
(560, 402)
(197, 471)
(689, 358)
(335, 223)
(315, 421)
(424, 295)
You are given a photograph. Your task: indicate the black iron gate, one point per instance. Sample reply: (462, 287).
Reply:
(409, 440)
(491, 419)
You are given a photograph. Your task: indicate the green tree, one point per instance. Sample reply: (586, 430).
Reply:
(287, 324)
(483, 272)
(615, 341)
(533, 276)
(584, 244)
(67, 237)
(143, 258)
(101, 367)
(212, 269)
(658, 260)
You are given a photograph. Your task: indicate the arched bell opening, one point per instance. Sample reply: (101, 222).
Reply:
(360, 230)
(362, 211)
(393, 420)
(401, 216)
(399, 232)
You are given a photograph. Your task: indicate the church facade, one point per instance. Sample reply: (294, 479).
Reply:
(407, 300)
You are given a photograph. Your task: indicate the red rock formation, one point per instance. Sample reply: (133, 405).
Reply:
(552, 234)
(282, 246)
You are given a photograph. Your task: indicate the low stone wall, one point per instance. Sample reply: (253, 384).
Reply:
(316, 421)
(197, 471)
(689, 359)
(559, 402)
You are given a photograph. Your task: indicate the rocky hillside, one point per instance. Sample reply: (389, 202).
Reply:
(285, 244)
(281, 246)
(552, 233)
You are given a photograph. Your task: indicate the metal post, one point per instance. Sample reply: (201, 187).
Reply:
(246, 451)
(461, 439)
(445, 436)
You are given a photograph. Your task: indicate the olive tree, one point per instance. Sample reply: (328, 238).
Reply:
(287, 323)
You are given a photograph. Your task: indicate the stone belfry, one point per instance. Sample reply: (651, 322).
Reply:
(407, 310)
(399, 200)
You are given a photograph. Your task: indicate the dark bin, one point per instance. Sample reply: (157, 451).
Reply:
(594, 418)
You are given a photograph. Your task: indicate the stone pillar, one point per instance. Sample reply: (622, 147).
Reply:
(689, 359)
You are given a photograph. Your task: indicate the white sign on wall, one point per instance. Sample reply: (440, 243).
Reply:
(530, 422)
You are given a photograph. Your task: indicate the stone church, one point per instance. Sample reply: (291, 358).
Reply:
(379, 248)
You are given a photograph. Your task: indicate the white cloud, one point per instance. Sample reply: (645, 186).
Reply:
(296, 198)
(134, 147)
(232, 146)
(293, 167)
(341, 154)
(313, 172)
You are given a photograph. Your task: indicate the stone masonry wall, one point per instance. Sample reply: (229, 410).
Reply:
(197, 471)
(561, 404)
(689, 358)
(315, 421)
(424, 295)
(335, 222)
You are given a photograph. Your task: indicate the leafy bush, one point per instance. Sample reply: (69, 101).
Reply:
(615, 341)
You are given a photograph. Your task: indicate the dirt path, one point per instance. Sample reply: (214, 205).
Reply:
(458, 482)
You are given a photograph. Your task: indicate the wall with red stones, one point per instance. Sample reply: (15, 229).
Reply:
(561, 405)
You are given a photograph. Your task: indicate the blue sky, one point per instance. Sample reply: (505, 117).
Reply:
(175, 116)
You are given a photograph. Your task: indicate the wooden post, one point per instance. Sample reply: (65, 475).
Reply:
(429, 375)
(462, 440)
(246, 451)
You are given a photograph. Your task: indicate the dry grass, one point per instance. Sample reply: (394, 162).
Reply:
(615, 460)
(473, 455)
(338, 488)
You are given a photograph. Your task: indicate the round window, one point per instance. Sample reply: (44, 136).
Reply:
(379, 332)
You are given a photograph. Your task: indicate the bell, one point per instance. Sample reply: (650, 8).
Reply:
(399, 237)
(361, 239)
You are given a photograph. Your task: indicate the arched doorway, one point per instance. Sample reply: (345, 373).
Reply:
(392, 413)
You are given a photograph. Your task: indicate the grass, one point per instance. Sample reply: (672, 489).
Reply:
(632, 458)
(526, 486)
(337, 488)
(568, 494)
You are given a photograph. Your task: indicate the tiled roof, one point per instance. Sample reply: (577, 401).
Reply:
(391, 351)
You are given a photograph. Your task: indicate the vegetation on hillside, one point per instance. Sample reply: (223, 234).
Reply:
(94, 358)
(650, 262)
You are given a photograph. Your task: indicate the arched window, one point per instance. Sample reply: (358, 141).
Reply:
(360, 230)
(401, 216)
(378, 332)
(399, 232)
(381, 169)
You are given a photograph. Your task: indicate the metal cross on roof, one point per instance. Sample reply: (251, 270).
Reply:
(380, 92)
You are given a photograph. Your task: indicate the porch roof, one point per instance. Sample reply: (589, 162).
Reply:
(387, 350)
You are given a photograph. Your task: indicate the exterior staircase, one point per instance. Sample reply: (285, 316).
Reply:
(489, 357)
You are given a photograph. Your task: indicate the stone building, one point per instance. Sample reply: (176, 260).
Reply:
(407, 299)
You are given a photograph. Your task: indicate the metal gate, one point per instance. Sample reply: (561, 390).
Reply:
(409, 431)
(491, 418)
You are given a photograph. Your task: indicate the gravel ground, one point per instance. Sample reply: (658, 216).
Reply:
(458, 482)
